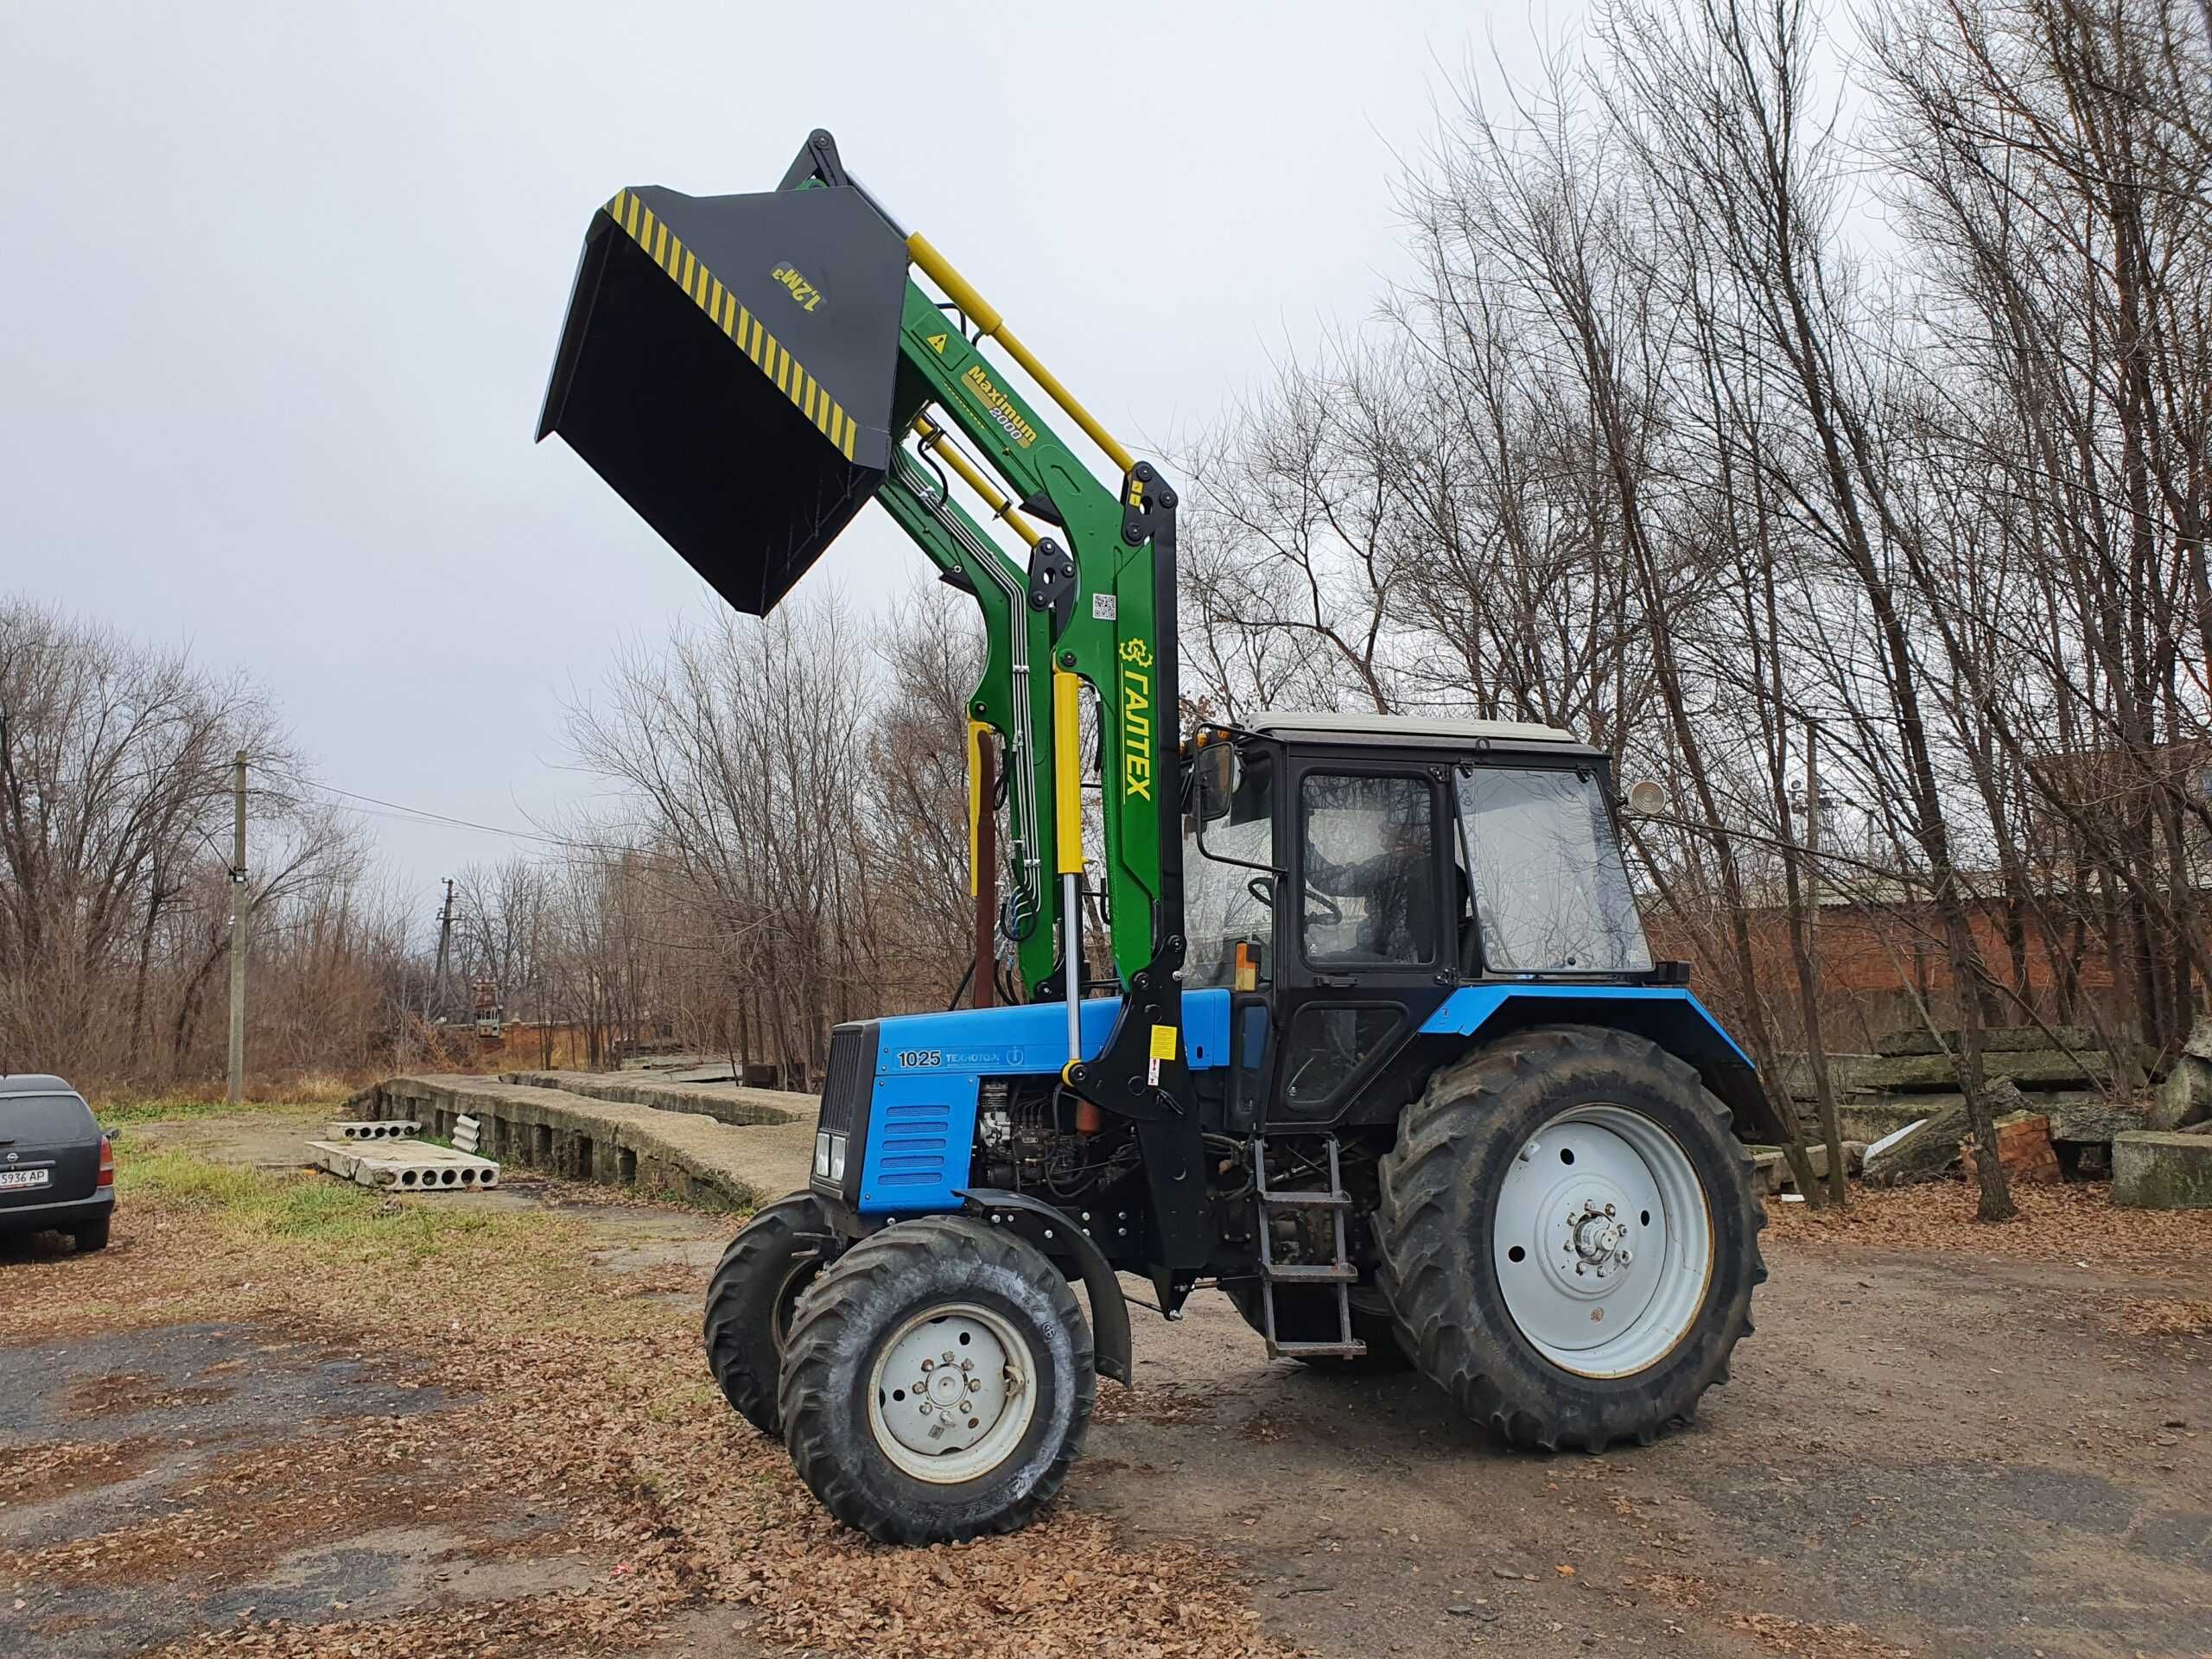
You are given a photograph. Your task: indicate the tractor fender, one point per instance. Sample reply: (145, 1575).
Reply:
(1110, 1309)
(1667, 1015)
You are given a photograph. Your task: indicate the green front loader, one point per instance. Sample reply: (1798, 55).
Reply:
(1379, 1049)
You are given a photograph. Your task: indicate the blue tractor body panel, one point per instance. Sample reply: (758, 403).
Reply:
(1667, 1015)
(1468, 1009)
(928, 1068)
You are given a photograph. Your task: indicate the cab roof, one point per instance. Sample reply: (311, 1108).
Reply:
(1426, 730)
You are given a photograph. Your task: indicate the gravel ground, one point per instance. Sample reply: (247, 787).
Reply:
(289, 1418)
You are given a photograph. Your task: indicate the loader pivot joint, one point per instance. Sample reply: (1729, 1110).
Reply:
(1052, 583)
(1147, 504)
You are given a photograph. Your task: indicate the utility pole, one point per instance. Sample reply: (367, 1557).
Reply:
(237, 930)
(445, 944)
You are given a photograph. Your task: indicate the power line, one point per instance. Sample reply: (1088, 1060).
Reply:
(421, 814)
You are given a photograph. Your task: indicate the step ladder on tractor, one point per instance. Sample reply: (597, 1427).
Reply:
(1374, 1043)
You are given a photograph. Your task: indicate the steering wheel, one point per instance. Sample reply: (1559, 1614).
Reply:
(1262, 888)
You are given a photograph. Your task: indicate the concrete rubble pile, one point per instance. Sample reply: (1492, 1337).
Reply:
(2065, 1104)
(2063, 1073)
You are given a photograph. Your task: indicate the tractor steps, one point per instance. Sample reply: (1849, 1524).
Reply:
(1339, 1274)
(1351, 1349)
(1310, 1200)
(1288, 1273)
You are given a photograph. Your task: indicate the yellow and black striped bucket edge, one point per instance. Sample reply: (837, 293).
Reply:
(637, 222)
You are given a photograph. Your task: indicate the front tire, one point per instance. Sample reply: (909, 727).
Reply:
(1566, 1302)
(750, 1299)
(937, 1382)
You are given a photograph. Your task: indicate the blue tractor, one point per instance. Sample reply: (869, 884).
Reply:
(1369, 1039)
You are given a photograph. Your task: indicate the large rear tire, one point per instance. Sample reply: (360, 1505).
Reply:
(750, 1299)
(1569, 1237)
(937, 1382)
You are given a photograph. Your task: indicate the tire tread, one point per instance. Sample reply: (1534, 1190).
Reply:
(1421, 1180)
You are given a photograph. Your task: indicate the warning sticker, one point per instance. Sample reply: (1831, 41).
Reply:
(1163, 1048)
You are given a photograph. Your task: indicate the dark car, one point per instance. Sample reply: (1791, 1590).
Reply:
(57, 1170)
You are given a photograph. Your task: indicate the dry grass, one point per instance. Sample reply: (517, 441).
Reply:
(579, 1402)
(126, 1104)
(2056, 1223)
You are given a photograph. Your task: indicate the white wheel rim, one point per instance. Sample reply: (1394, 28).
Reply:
(952, 1393)
(1602, 1241)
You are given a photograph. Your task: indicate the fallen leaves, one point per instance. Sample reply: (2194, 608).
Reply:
(582, 1407)
(2152, 1316)
(2076, 1224)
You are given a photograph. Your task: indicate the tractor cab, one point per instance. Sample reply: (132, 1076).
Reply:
(1345, 875)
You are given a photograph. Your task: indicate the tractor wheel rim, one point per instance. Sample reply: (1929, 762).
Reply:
(952, 1393)
(1602, 1241)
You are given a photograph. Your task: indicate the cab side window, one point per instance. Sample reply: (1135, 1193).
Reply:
(1369, 876)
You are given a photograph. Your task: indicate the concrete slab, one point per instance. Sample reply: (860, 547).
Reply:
(405, 1165)
(2156, 1170)
(398, 1129)
(726, 1103)
(682, 1154)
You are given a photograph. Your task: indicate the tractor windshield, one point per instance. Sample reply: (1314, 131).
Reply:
(1551, 895)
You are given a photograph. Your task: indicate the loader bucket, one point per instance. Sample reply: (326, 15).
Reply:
(728, 364)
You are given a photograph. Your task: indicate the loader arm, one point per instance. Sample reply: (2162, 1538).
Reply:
(1012, 696)
(749, 371)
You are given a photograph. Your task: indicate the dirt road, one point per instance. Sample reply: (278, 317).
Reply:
(487, 1431)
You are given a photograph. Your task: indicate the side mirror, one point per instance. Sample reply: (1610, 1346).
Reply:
(1216, 770)
(1646, 799)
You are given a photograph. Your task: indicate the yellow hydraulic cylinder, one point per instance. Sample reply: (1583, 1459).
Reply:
(1067, 814)
(988, 322)
(1067, 770)
(977, 732)
(933, 441)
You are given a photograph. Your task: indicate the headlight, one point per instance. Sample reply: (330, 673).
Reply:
(821, 1153)
(837, 1158)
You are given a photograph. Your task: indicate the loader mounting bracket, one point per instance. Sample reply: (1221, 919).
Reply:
(1052, 583)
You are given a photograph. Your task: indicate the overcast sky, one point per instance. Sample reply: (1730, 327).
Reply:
(280, 285)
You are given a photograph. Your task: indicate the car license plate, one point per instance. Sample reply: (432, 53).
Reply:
(25, 1177)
